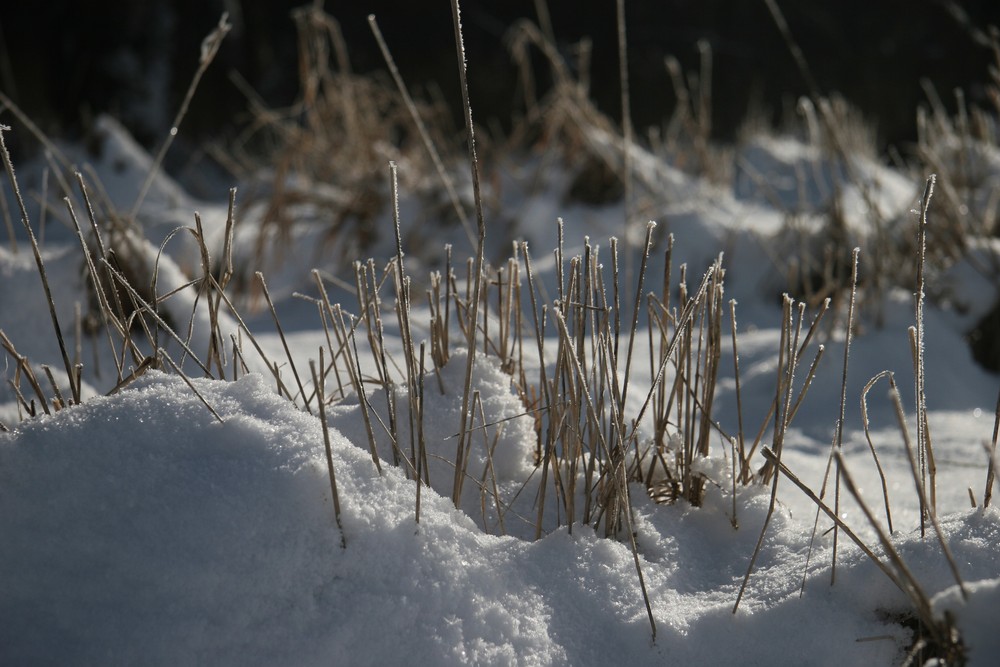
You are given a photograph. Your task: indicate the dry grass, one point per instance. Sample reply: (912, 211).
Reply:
(572, 358)
(959, 149)
(327, 152)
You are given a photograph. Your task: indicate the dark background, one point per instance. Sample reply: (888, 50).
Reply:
(64, 61)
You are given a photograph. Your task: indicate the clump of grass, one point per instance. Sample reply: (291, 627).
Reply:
(121, 271)
(564, 124)
(961, 149)
(686, 140)
(572, 361)
(364, 121)
(956, 147)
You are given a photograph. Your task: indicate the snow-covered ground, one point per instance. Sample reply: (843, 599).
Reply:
(141, 528)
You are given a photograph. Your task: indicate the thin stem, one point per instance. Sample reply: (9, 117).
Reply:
(923, 434)
(321, 400)
(480, 249)
(838, 440)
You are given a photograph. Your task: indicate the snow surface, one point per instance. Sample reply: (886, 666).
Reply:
(139, 529)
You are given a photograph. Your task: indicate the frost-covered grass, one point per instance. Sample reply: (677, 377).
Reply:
(249, 451)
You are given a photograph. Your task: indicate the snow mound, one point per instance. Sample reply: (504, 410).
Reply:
(502, 445)
(143, 531)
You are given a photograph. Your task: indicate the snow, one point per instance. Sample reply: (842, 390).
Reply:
(172, 526)
(143, 530)
(137, 528)
(980, 639)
